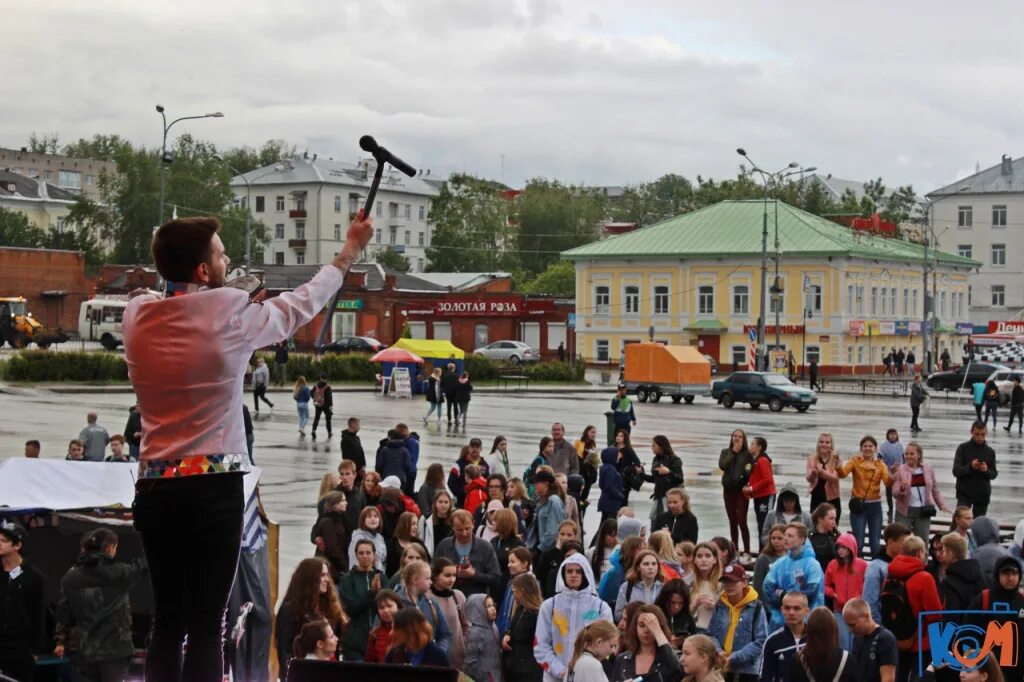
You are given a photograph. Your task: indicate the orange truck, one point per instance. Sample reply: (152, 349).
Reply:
(652, 370)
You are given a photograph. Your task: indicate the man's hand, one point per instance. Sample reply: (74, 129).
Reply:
(506, 643)
(466, 571)
(359, 234)
(58, 651)
(375, 585)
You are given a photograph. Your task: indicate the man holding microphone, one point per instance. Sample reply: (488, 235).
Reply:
(187, 354)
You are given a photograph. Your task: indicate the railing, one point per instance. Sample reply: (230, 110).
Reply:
(297, 243)
(297, 213)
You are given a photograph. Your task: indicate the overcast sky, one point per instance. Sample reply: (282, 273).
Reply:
(589, 91)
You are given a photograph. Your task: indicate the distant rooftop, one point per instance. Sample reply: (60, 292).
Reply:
(308, 169)
(14, 185)
(1005, 176)
(460, 280)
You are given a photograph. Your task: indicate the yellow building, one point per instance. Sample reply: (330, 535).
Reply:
(846, 299)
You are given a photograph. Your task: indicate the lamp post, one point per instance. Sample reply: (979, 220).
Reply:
(285, 164)
(165, 159)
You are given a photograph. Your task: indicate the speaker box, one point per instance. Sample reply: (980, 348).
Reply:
(328, 671)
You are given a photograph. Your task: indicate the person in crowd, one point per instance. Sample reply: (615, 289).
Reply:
(760, 486)
(822, 657)
(648, 651)
(405, 535)
(328, 482)
(978, 397)
(22, 606)
(549, 514)
(916, 492)
(666, 474)
(387, 603)
(823, 474)
(773, 550)
(589, 456)
(908, 577)
(974, 467)
(918, 395)
(684, 550)
(736, 464)
(726, 550)
(411, 440)
(869, 473)
(414, 642)
(620, 559)
(892, 453)
(506, 538)
(260, 381)
(370, 528)
(32, 449)
(250, 432)
(629, 465)
(989, 550)
(518, 499)
(1018, 543)
(661, 544)
(706, 589)
(624, 417)
(475, 559)
(601, 548)
(497, 458)
(594, 645)
(894, 535)
(497, 488)
(323, 406)
(612, 485)
(569, 498)
(349, 486)
(393, 459)
(543, 459)
(702, 660)
(738, 624)
(94, 608)
(117, 451)
(311, 596)
(414, 552)
(677, 519)
(437, 524)
(787, 509)
(94, 439)
(414, 589)
(823, 535)
(302, 394)
(433, 483)
(674, 602)
(547, 564)
(463, 394)
(133, 432)
(357, 590)
(449, 382)
(563, 458)
(476, 489)
(962, 580)
(875, 652)
(779, 656)
(963, 522)
(331, 533)
(470, 454)
(798, 571)
(435, 397)
(316, 641)
(574, 606)
(519, 661)
(1016, 406)
(1005, 588)
(483, 652)
(991, 402)
(844, 580)
(451, 601)
(520, 561)
(643, 581)
(352, 445)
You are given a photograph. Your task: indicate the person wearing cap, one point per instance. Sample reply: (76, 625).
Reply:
(549, 514)
(797, 571)
(622, 406)
(738, 625)
(22, 615)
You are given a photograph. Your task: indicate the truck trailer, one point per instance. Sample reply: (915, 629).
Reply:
(652, 370)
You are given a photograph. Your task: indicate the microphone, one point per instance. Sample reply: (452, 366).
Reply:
(369, 145)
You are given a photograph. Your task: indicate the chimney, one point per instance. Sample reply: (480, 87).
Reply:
(1006, 165)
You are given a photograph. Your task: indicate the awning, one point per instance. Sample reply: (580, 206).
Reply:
(431, 348)
(707, 326)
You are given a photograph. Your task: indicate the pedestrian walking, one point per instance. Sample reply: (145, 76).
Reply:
(94, 440)
(435, 396)
(900, 358)
(945, 359)
(323, 404)
(302, 394)
(260, 381)
(918, 395)
(561, 351)
(978, 396)
(281, 361)
(813, 371)
(887, 361)
(974, 467)
(449, 382)
(911, 362)
(991, 402)
(133, 432)
(463, 394)
(622, 406)
(1016, 405)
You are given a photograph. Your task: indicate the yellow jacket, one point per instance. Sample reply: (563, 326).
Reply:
(868, 476)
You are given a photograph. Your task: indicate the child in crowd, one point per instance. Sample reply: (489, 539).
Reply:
(388, 603)
(369, 529)
(844, 580)
(483, 653)
(476, 488)
(595, 644)
(442, 587)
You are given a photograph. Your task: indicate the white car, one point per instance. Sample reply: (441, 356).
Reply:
(1004, 380)
(509, 351)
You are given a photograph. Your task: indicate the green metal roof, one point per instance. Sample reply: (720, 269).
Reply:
(733, 228)
(707, 325)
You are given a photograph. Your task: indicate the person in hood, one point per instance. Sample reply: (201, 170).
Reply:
(483, 651)
(94, 607)
(622, 556)
(787, 510)
(989, 551)
(798, 571)
(738, 624)
(923, 595)
(974, 467)
(962, 579)
(393, 459)
(611, 483)
(844, 580)
(562, 617)
(1005, 590)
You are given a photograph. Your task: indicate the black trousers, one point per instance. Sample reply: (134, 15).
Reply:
(259, 392)
(1018, 412)
(191, 532)
(978, 509)
(450, 399)
(915, 410)
(18, 665)
(326, 412)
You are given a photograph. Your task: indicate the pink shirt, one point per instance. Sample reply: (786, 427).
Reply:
(187, 358)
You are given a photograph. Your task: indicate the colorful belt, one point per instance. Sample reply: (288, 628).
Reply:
(194, 465)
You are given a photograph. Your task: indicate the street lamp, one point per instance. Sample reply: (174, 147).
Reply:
(284, 164)
(165, 158)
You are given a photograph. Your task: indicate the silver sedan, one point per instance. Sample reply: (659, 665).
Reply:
(509, 351)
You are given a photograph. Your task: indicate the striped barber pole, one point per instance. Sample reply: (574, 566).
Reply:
(752, 360)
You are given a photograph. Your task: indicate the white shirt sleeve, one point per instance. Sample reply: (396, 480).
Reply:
(278, 318)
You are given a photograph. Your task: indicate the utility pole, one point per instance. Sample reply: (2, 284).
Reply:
(926, 350)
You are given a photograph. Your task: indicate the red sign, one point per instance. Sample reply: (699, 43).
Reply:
(770, 329)
(1006, 327)
(465, 306)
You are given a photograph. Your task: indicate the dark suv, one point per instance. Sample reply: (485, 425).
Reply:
(964, 376)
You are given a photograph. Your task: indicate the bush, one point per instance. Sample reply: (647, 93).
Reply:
(337, 367)
(38, 365)
(480, 368)
(555, 371)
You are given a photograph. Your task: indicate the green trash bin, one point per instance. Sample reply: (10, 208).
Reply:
(610, 426)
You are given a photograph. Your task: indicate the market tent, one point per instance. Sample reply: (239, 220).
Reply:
(435, 353)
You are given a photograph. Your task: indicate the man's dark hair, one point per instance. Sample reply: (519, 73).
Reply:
(978, 425)
(181, 245)
(895, 531)
(33, 443)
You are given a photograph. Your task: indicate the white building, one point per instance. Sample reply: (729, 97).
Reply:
(982, 217)
(307, 203)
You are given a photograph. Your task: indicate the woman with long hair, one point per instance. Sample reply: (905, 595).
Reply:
(726, 550)
(773, 550)
(648, 653)
(331, 532)
(371, 488)
(519, 561)
(821, 657)
(451, 600)
(916, 492)
(328, 482)
(550, 511)
(433, 482)
(412, 641)
(517, 645)
(736, 464)
(590, 458)
(316, 641)
(311, 595)
(506, 538)
(628, 464)
(674, 602)
(406, 534)
(438, 524)
(643, 581)
(666, 474)
(435, 397)
(595, 643)
(371, 527)
(822, 474)
(302, 394)
(414, 552)
(869, 473)
(823, 533)
(604, 543)
(497, 458)
(702, 660)
(705, 590)
(661, 544)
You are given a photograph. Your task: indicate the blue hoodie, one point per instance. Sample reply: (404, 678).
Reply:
(611, 483)
(797, 571)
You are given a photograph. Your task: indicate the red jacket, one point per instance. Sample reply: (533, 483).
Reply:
(377, 643)
(476, 494)
(761, 478)
(410, 505)
(921, 590)
(844, 583)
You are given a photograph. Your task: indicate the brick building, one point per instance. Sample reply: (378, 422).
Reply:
(54, 282)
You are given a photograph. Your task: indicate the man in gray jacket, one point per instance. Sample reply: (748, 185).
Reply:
(94, 440)
(918, 394)
(476, 563)
(564, 459)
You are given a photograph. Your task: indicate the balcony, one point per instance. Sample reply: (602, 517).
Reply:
(297, 213)
(296, 243)
(397, 248)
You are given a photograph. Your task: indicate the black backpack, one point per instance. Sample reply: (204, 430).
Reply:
(897, 614)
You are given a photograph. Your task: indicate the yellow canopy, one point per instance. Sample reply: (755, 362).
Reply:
(431, 348)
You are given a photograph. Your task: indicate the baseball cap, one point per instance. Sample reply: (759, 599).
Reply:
(733, 573)
(14, 532)
(391, 482)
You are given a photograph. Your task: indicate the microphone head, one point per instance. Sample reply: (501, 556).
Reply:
(368, 144)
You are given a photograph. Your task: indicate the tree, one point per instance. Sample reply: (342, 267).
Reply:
(16, 230)
(393, 259)
(559, 279)
(100, 147)
(473, 226)
(554, 218)
(76, 240)
(245, 159)
(43, 144)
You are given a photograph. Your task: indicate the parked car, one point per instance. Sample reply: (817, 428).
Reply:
(1004, 380)
(354, 344)
(756, 388)
(964, 376)
(508, 351)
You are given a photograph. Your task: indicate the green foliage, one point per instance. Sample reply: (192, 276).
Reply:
(393, 259)
(406, 330)
(473, 230)
(555, 371)
(37, 366)
(47, 143)
(337, 367)
(16, 230)
(481, 369)
(554, 218)
(559, 279)
(246, 159)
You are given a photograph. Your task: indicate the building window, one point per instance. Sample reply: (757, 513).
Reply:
(408, 211)
(419, 265)
(999, 216)
(423, 212)
(913, 301)
(380, 209)
(963, 310)
(999, 254)
(61, 223)
(337, 203)
(279, 231)
(741, 299)
(421, 243)
(812, 354)
(300, 203)
(90, 180)
(632, 296)
(812, 299)
(71, 180)
(892, 302)
(279, 204)
(706, 300)
(998, 295)
(851, 299)
(965, 216)
(48, 175)
(353, 204)
(260, 204)
(942, 304)
(279, 258)
(300, 230)
(874, 300)
(739, 355)
(906, 301)
(394, 235)
(849, 355)
(964, 250)
(602, 300)
(860, 299)
(661, 300)
(860, 355)
(481, 335)
(601, 350)
(300, 258)
(337, 232)
(377, 235)
(392, 210)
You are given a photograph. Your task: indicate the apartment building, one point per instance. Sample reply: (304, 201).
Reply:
(77, 176)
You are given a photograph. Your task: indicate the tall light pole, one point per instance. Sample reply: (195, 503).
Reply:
(165, 160)
(285, 164)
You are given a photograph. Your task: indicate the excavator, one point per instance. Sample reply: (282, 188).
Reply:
(19, 328)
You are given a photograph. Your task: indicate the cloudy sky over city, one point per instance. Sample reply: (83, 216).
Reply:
(590, 91)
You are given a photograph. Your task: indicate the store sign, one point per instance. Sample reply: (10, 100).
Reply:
(858, 328)
(964, 328)
(887, 328)
(914, 326)
(1005, 327)
(505, 306)
(902, 328)
(352, 304)
(570, 320)
(770, 329)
